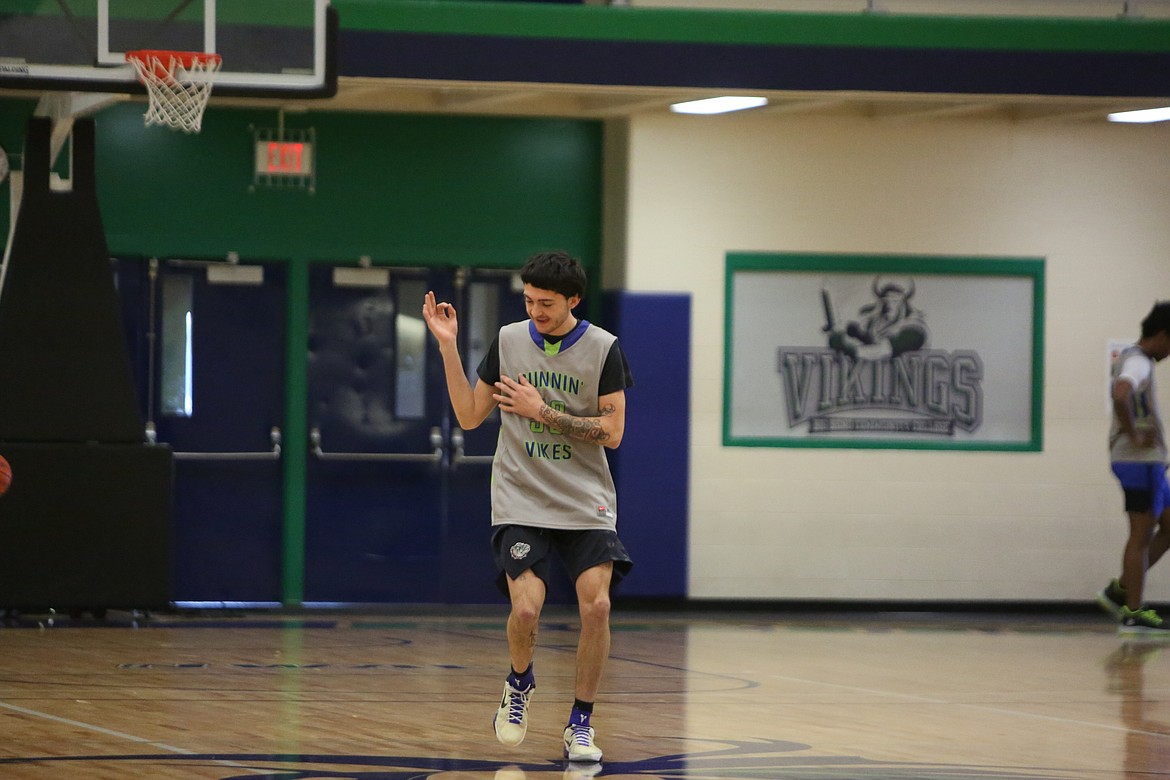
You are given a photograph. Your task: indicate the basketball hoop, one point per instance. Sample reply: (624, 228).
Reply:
(178, 84)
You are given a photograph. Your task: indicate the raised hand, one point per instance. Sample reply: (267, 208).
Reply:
(441, 319)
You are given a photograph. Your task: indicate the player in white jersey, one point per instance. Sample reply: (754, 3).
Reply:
(1137, 452)
(560, 383)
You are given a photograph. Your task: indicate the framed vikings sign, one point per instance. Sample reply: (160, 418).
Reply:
(883, 351)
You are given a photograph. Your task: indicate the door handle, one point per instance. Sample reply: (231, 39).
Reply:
(272, 454)
(457, 455)
(434, 456)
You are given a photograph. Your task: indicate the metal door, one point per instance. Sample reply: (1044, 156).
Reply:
(208, 341)
(397, 496)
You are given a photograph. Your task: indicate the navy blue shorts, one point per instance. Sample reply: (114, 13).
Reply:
(1144, 485)
(521, 547)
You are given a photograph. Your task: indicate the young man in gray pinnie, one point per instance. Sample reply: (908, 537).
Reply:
(560, 384)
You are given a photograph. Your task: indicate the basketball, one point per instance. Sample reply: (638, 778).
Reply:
(5, 475)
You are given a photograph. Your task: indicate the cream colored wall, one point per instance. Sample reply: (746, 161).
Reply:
(1093, 199)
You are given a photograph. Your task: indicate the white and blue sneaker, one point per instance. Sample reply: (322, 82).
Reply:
(579, 744)
(511, 721)
(581, 771)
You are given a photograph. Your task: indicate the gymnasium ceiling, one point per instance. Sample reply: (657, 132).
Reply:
(603, 103)
(529, 59)
(554, 60)
(593, 62)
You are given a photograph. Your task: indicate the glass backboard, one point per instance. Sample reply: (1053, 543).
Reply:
(269, 47)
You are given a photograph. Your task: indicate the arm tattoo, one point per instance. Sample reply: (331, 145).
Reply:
(583, 428)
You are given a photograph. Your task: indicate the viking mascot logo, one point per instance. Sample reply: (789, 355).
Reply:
(879, 375)
(890, 326)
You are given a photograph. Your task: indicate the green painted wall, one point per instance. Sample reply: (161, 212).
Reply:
(400, 188)
(403, 189)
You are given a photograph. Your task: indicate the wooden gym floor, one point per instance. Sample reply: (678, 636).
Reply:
(733, 696)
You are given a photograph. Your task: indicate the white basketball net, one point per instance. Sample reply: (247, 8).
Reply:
(177, 91)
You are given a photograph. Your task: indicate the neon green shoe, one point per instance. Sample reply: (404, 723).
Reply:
(1112, 598)
(1143, 621)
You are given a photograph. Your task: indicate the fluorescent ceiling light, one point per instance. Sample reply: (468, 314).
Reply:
(1144, 115)
(718, 105)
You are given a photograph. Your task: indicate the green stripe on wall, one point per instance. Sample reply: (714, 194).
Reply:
(293, 452)
(591, 22)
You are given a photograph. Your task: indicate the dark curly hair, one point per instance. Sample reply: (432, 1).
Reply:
(1157, 321)
(557, 271)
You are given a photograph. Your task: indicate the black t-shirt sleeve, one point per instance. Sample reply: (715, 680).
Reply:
(615, 374)
(489, 368)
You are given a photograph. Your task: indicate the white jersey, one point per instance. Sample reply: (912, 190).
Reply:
(540, 477)
(1145, 413)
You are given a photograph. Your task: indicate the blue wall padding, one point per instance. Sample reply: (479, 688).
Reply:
(651, 467)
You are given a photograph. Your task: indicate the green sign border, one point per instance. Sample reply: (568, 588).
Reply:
(921, 265)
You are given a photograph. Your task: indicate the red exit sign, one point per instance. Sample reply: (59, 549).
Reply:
(284, 158)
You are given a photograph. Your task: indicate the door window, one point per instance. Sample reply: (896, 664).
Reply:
(177, 314)
(411, 342)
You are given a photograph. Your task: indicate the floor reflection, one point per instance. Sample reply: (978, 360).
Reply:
(1145, 714)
